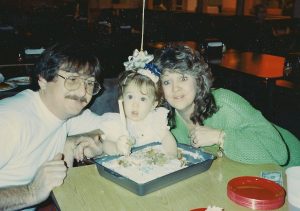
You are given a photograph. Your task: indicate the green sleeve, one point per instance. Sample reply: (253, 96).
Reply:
(293, 144)
(249, 137)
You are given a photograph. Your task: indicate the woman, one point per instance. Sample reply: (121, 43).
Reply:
(202, 116)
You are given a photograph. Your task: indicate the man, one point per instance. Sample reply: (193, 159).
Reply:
(34, 125)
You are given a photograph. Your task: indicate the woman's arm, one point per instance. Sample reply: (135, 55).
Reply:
(249, 136)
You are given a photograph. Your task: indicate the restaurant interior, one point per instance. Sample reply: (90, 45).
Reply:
(113, 29)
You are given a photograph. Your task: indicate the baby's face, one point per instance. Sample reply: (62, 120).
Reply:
(138, 102)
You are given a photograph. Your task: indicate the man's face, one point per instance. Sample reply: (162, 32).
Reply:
(137, 102)
(63, 102)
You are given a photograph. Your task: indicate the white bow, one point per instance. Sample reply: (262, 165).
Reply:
(138, 60)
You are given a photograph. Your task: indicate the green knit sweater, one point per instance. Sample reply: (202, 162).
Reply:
(249, 137)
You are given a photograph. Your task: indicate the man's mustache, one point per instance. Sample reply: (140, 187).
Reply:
(74, 97)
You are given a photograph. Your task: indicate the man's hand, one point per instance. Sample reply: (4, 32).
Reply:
(50, 175)
(87, 145)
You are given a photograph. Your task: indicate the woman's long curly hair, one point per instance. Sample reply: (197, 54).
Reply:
(184, 60)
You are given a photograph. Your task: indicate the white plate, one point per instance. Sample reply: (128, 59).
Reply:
(9, 87)
(34, 51)
(25, 80)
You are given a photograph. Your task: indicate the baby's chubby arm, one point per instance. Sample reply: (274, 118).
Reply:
(169, 144)
(116, 140)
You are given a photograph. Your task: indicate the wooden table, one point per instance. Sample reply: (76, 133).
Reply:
(84, 189)
(256, 64)
(17, 65)
(261, 66)
(15, 70)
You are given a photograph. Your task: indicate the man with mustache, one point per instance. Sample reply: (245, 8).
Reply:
(34, 125)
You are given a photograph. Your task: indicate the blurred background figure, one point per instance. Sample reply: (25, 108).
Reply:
(260, 12)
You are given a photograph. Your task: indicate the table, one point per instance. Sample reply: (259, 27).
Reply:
(159, 45)
(84, 189)
(17, 65)
(16, 70)
(266, 67)
(259, 65)
(256, 64)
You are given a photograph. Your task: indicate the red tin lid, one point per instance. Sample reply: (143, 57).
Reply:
(198, 209)
(256, 193)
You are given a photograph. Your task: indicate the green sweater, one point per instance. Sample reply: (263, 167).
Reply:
(249, 137)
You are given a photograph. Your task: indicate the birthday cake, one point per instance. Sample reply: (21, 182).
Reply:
(149, 163)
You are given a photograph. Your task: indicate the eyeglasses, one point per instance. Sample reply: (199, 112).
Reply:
(73, 83)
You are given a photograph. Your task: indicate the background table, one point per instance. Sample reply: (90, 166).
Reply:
(16, 70)
(84, 189)
(254, 66)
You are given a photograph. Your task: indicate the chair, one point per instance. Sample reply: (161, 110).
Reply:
(287, 105)
(292, 68)
(213, 49)
(107, 100)
(287, 95)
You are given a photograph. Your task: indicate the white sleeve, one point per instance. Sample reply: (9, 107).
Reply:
(85, 122)
(112, 126)
(9, 141)
(109, 123)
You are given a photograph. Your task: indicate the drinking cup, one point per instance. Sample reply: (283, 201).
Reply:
(293, 188)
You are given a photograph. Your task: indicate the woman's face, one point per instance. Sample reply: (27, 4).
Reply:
(179, 90)
(138, 102)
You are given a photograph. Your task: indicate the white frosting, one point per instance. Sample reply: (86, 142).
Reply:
(147, 164)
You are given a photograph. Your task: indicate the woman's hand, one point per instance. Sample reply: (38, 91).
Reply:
(202, 136)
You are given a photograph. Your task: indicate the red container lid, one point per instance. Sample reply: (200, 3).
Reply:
(256, 193)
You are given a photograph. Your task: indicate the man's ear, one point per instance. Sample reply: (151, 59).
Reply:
(42, 83)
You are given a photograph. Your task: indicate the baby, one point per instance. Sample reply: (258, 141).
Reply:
(140, 121)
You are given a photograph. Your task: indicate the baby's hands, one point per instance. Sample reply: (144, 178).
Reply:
(124, 145)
